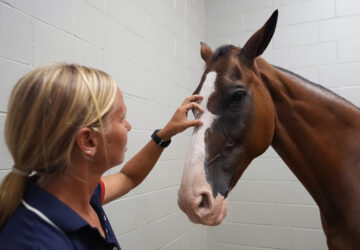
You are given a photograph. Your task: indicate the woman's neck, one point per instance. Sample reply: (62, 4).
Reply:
(74, 187)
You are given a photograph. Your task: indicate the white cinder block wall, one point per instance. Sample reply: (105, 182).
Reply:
(151, 48)
(320, 40)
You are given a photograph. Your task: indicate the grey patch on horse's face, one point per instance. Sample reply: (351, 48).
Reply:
(220, 175)
(224, 140)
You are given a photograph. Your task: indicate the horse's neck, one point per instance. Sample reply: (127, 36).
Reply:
(317, 134)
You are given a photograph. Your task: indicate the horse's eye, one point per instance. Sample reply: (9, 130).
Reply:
(238, 97)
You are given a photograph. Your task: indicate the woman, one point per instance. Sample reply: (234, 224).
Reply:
(66, 125)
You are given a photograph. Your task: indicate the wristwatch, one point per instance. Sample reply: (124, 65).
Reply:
(158, 140)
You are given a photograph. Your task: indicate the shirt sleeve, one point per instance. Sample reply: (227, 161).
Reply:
(99, 192)
(102, 191)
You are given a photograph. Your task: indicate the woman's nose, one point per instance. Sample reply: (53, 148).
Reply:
(128, 126)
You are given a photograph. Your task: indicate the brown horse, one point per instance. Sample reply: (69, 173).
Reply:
(248, 106)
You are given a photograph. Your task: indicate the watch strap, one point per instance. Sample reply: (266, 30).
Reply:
(158, 140)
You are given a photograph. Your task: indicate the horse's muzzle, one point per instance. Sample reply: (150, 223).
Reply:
(202, 208)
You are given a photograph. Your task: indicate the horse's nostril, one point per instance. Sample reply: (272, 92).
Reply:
(205, 201)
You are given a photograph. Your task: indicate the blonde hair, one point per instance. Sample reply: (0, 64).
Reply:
(46, 109)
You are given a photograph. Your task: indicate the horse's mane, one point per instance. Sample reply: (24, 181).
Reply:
(315, 85)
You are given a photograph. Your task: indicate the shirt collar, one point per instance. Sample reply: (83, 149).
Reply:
(58, 212)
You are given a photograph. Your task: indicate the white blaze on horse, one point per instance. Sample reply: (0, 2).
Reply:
(248, 106)
(194, 181)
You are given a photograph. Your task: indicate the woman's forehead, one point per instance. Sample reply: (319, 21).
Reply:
(119, 103)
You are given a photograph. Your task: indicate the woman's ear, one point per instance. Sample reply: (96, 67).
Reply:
(87, 141)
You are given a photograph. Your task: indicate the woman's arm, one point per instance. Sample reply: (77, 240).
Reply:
(137, 168)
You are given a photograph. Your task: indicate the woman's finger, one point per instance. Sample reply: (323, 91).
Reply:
(193, 105)
(193, 98)
(194, 123)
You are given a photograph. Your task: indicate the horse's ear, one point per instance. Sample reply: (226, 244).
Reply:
(258, 42)
(205, 51)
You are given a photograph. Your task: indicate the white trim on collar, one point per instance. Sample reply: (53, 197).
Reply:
(41, 215)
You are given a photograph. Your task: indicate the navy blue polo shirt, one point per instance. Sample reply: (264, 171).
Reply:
(44, 222)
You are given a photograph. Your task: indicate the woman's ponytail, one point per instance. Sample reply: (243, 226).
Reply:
(11, 192)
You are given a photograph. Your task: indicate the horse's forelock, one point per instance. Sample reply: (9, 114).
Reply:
(222, 51)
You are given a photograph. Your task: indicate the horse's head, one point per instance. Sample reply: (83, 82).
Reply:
(238, 125)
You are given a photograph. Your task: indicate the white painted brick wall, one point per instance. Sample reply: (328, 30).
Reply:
(348, 50)
(246, 5)
(251, 235)
(308, 239)
(347, 7)
(56, 13)
(318, 39)
(314, 10)
(5, 157)
(321, 54)
(296, 35)
(336, 29)
(10, 72)
(15, 33)
(275, 214)
(255, 19)
(151, 48)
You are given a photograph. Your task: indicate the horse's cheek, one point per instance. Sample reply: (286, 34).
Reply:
(263, 124)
